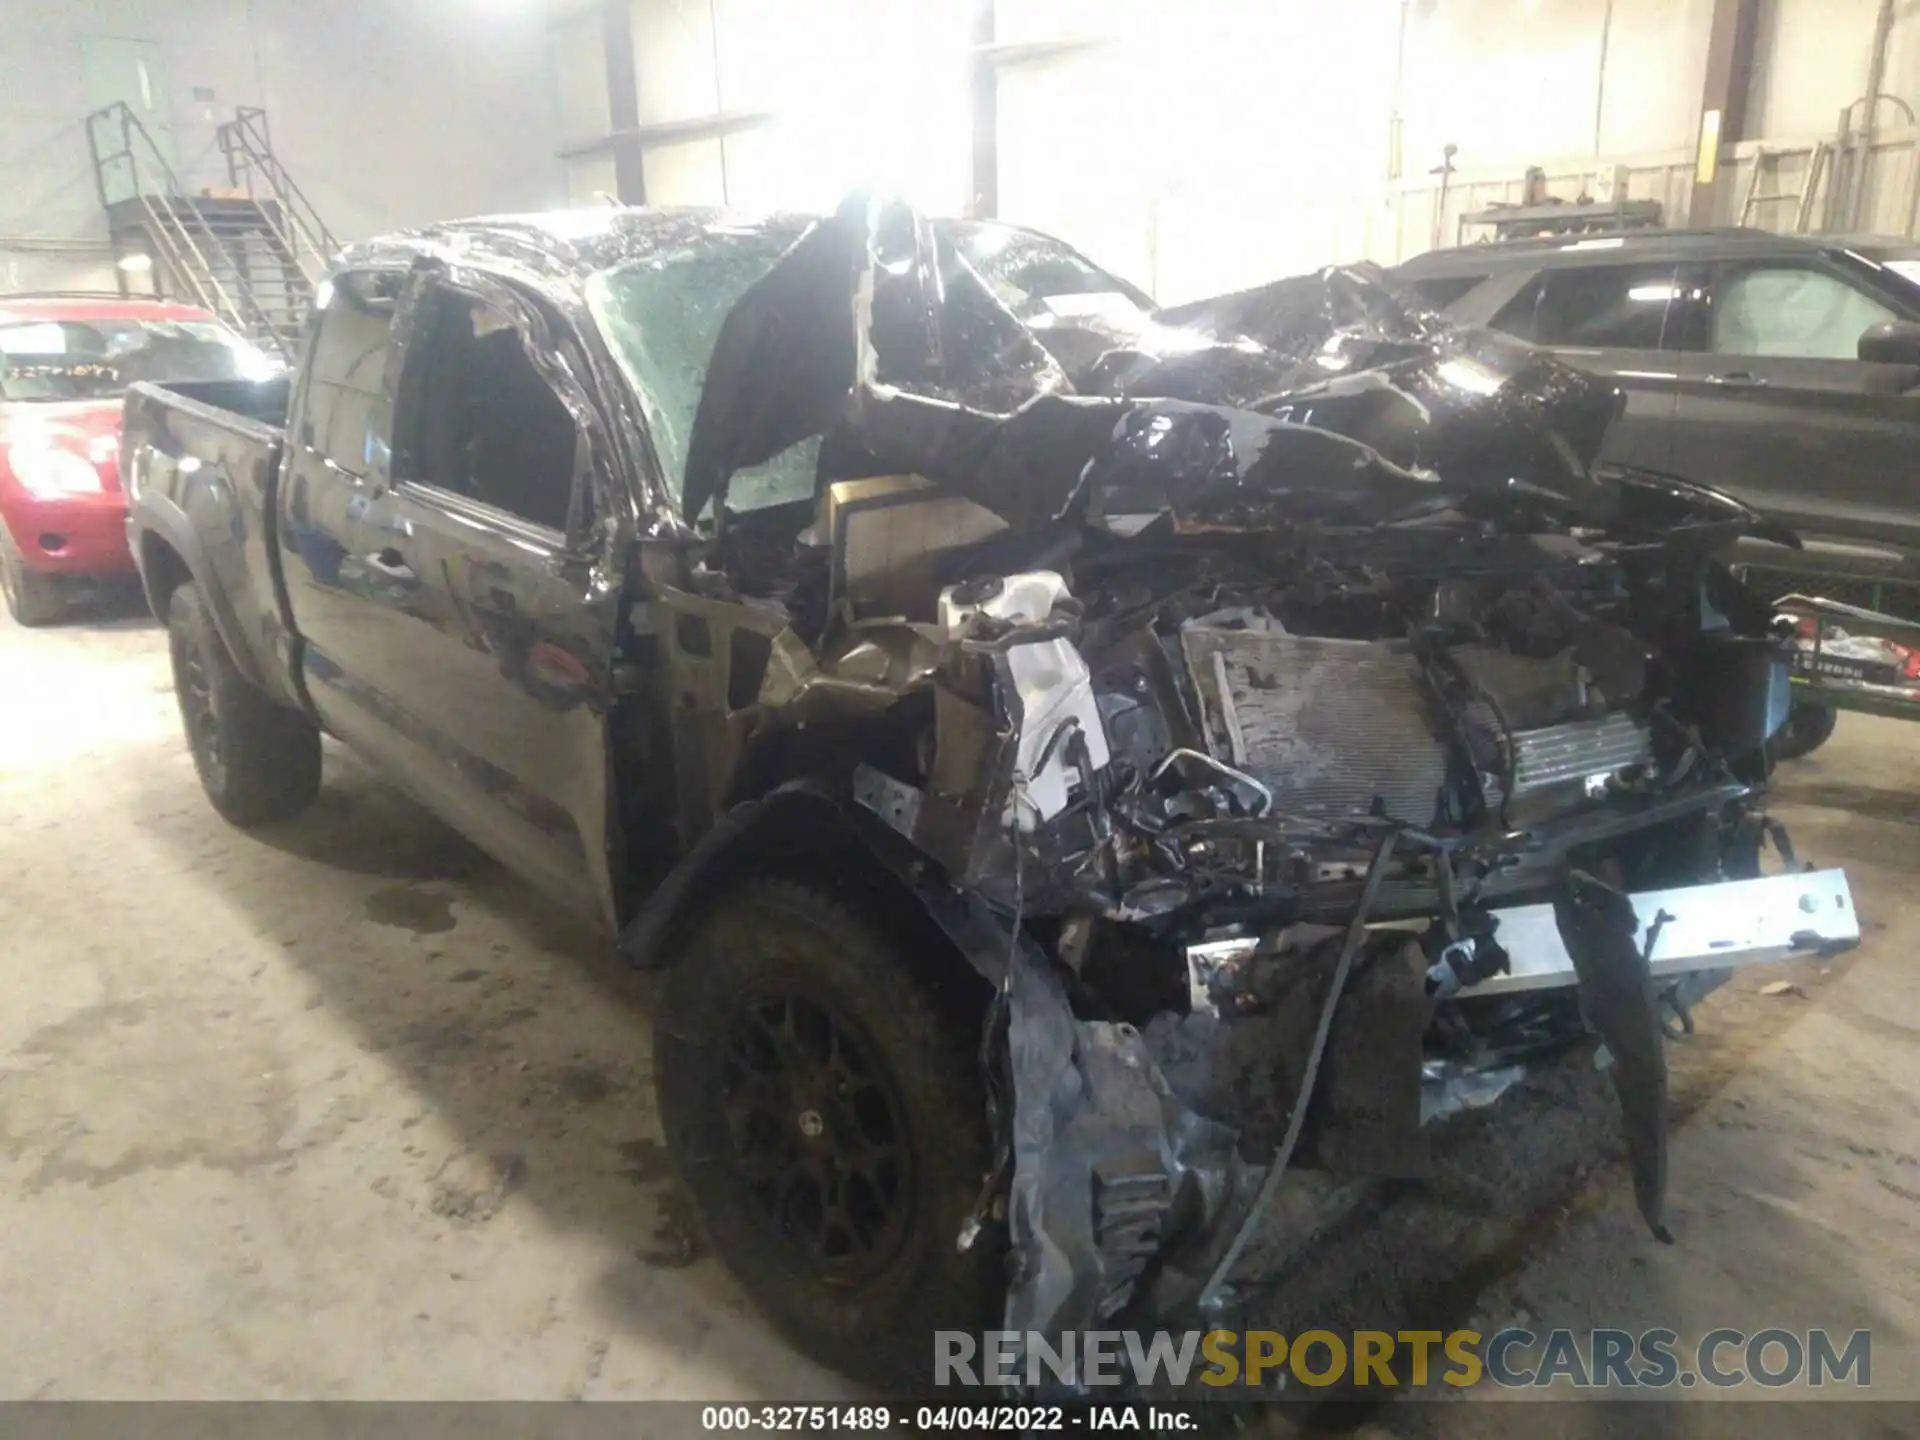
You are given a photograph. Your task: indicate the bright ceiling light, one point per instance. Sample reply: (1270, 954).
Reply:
(135, 264)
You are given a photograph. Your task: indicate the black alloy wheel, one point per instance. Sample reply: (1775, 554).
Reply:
(819, 1083)
(259, 760)
(817, 1135)
(199, 711)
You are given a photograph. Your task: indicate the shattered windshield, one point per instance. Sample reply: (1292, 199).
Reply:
(51, 360)
(1036, 276)
(661, 316)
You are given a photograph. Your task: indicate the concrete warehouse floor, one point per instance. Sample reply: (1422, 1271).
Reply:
(346, 1111)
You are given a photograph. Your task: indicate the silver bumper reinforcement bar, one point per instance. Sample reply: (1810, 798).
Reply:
(1699, 927)
(1708, 927)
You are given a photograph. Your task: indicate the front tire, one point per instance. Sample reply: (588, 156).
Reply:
(258, 761)
(1809, 725)
(33, 599)
(826, 1109)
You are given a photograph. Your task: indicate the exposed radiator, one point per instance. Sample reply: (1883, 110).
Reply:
(1562, 753)
(1334, 726)
(1327, 725)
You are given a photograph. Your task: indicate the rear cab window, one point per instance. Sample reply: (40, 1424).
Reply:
(344, 415)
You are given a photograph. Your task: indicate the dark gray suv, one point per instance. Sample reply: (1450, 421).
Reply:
(1782, 369)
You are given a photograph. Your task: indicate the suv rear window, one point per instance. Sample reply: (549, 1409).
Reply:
(1611, 307)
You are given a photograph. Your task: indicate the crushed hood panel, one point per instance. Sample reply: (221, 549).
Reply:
(1323, 397)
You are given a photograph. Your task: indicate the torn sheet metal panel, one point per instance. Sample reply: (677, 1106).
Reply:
(1370, 363)
(1446, 1090)
(1599, 928)
(1736, 922)
(1103, 1152)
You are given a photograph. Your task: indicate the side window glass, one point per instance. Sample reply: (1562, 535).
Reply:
(482, 421)
(1607, 307)
(347, 370)
(1441, 291)
(1791, 312)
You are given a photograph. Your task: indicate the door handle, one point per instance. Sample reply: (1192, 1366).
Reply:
(389, 562)
(1743, 379)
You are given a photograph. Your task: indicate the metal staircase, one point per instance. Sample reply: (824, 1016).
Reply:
(247, 146)
(251, 253)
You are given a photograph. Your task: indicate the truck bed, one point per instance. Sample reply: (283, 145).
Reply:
(202, 461)
(264, 401)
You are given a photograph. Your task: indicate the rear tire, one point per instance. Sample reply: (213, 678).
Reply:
(258, 761)
(33, 599)
(826, 1109)
(1810, 725)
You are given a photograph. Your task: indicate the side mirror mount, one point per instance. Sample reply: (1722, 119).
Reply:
(1891, 342)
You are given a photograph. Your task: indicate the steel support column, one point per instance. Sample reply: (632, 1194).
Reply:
(623, 103)
(984, 107)
(1723, 101)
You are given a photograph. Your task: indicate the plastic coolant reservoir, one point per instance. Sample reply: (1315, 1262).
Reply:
(1022, 599)
(1052, 696)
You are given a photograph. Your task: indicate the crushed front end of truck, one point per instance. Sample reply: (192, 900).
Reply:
(1275, 700)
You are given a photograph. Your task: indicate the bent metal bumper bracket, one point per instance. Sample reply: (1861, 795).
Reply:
(1708, 927)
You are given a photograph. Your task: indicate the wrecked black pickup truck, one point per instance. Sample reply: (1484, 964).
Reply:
(1076, 763)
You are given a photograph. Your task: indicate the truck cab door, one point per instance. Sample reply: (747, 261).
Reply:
(1776, 408)
(337, 454)
(474, 657)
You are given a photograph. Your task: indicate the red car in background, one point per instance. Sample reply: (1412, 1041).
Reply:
(65, 362)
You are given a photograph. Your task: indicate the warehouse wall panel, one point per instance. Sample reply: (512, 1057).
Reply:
(1656, 58)
(673, 51)
(1202, 149)
(687, 172)
(1812, 60)
(864, 94)
(577, 44)
(1215, 143)
(1077, 156)
(416, 110)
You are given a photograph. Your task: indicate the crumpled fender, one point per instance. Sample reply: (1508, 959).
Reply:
(806, 819)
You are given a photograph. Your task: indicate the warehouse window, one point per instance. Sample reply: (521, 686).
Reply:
(1611, 307)
(1791, 312)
